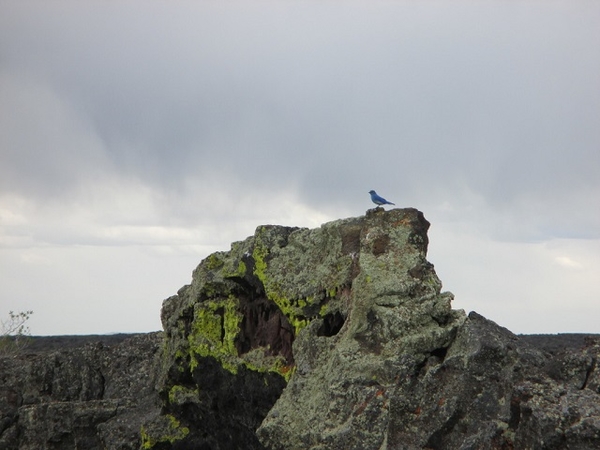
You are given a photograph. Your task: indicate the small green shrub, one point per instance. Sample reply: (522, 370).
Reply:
(14, 333)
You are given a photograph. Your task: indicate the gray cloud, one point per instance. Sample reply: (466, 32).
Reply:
(142, 114)
(508, 104)
(421, 95)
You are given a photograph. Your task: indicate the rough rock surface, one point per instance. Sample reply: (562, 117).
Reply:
(333, 338)
(351, 315)
(92, 396)
(378, 359)
(394, 320)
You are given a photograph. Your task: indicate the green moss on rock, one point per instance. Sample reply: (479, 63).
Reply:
(214, 261)
(292, 308)
(214, 329)
(178, 395)
(167, 430)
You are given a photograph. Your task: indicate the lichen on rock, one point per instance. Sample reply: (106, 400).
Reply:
(340, 337)
(333, 338)
(395, 317)
(296, 301)
(165, 430)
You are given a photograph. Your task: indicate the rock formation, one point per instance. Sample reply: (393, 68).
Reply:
(92, 396)
(332, 338)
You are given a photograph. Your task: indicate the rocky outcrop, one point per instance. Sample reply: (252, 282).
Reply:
(338, 337)
(345, 336)
(395, 320)
(92, 396)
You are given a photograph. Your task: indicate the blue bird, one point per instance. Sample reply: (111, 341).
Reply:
(379, 200)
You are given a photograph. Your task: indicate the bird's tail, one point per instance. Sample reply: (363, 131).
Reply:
(390, 203)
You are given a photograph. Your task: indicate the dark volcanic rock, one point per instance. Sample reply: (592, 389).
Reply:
(491, 390)
(94, 396)
(334, 338)
(378, 359)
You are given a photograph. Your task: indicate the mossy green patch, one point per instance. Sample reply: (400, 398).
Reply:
(259, 255)
(179, 395)
(241, 269)
(238, 272)
(214, 329)
(323, 310)
(173, 432)
(273, 291)
(214, 262)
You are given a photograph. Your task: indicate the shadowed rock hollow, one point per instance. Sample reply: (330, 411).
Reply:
(331, 338)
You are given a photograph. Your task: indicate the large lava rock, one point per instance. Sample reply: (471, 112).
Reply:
(333, 338)
(340, 338)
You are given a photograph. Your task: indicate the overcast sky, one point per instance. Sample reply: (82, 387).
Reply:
(137, 137)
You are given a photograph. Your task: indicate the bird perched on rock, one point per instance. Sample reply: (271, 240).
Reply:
(379, 200)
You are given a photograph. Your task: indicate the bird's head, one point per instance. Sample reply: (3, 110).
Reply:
(372, 192)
